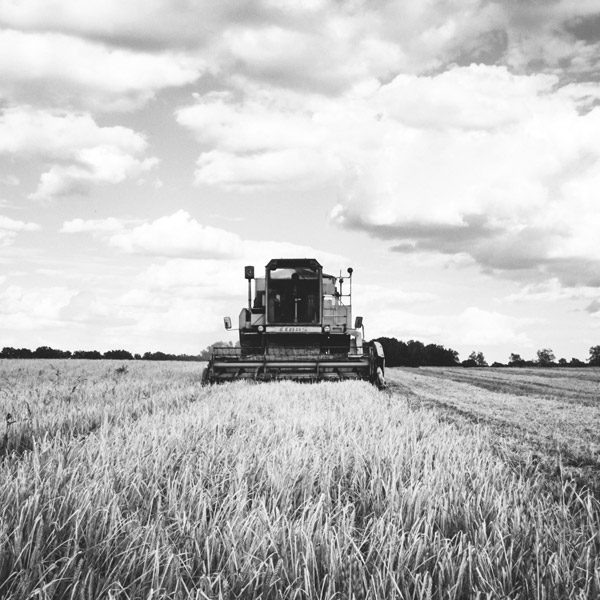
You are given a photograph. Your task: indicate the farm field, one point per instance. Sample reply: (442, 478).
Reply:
(548, 416)
(130, 480)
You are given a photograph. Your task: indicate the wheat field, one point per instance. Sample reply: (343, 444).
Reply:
(133, 481)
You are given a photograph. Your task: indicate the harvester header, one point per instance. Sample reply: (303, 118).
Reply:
(297, 325)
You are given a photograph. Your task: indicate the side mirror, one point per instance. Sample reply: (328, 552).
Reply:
(358, 323)
(227, 322)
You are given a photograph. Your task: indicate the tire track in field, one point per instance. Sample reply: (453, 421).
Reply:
(546, 433)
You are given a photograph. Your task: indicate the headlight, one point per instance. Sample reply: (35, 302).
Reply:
(326, 329)
(261, 328)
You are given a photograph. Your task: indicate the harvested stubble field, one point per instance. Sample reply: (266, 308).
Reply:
(132, 481)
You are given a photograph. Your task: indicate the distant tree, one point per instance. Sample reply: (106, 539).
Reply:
(562, 362)
(155, 356)
(478, 358)
(87, 354)
(435, 355)
(413, 350)
(576, 363)
(594, 359)
(118, 355)
(515, 360)
(189, 357)
(137, 356)
(44, 352)
(545, 357)
(207, 352)
(8, 352)
(416, 354)
(496, 364)
(47, 352)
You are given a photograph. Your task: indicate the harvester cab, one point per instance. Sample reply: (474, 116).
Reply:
(297, 325)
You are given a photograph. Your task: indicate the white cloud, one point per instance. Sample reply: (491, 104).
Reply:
(474, 162)
(469, 98)
(266, 123)
(303, 44)
(22, 309)
(181, 236)
(471, 327)
(306, 45)
(61, 134)
(83, 153)
(102, 226)
(177, 235)
(272, 140)
(11, 180)
(552, 291)
(294, 169)
(59, 70)
(9, 228)
(85, 307)
(509, 177)
(385, 297)
(154, 23)
(314, 57)
(477, 326)
(203, 281)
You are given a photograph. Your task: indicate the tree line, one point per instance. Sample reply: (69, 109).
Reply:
(397, 354)
(545, 358)
(416, 354)
(48, 352)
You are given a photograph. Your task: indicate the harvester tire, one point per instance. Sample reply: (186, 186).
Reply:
(205, 380)
(380, 379)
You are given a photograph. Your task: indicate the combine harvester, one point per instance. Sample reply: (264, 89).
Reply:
(298, 325)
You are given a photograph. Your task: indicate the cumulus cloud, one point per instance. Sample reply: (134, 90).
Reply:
(385, 297)
(99, 226)
(557, 36)
(22, 309)
(81, 152)
(269, 141)
(551, 291)
(177, 235)
(301, 44)
(11, 180)
(593, 307)
(305, 46)
(84, 307)
(313, 58)
(209, 279)
(10, 228)
(508, 177)
(293, 169)
(138, 23)
(265, 123)
(472, 326)
(475, 162)
(60, 70)
(181, 236)
(478, 326)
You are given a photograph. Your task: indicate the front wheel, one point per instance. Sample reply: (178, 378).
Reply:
(380, 379)
(205, 380)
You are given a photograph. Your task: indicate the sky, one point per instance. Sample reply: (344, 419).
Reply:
(447, 150)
